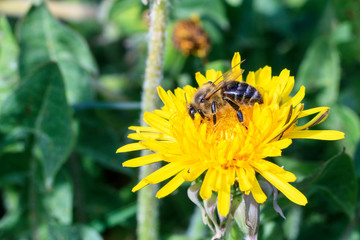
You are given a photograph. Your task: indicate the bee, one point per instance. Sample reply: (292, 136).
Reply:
(211, 98)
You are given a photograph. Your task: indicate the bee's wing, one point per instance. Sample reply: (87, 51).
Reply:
(229, 75)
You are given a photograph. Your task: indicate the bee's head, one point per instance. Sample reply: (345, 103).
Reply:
(199, 98)
(199, 104)
(200, 95)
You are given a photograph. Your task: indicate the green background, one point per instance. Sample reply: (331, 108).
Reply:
(69, 90)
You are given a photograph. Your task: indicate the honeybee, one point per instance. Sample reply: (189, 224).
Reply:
(210, 98)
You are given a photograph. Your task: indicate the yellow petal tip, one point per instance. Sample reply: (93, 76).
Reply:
(120, 150)
(139, 186)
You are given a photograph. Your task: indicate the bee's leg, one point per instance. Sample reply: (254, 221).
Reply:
(213, 110)
(237, 109)
(240, 116)
(201, 114)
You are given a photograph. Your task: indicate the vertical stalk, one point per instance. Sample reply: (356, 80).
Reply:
(147, 215)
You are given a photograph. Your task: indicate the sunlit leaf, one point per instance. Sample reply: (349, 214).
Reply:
(342, 33)
(127, 17)
(8, 59)
(59, 200)
(267, 7)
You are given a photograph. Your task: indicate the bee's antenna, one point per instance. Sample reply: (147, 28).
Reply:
(185, 98)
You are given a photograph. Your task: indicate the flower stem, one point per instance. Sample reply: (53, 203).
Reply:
(147, 215)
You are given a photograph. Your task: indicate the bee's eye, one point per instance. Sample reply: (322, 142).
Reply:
(192, 112)
(202, 100)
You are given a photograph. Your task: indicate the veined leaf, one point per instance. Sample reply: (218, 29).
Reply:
(39, 105)
(42, 39)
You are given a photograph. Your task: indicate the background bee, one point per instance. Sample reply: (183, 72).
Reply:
(210, 98)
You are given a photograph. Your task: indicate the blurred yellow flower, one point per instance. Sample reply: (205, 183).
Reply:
(228, 151)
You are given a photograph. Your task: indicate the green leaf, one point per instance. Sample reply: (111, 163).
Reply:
(68, 232)
(319, 71)
(234, 3)
(62, 232)
(357, 160)
(295, 3)
(128, 18)
(272, 231)
(214, 10)
(346, 120)
(42, 39)
(301, 169)
(14, 169)
(99, 142)
(8, 59)
(267, 7)
(219, 65)
(89, 233)
(39, 105)
(292, 225)
(59, 200)
(337, 181)
(117, 217)
(174, 60)
(342, 33)
(15, 221)
(212, 14)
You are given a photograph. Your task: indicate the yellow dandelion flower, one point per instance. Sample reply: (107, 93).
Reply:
(228, 151)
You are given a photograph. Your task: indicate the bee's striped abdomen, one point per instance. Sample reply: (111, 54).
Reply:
(242, 93)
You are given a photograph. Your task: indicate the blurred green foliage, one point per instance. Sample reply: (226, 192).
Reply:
(69, 90)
